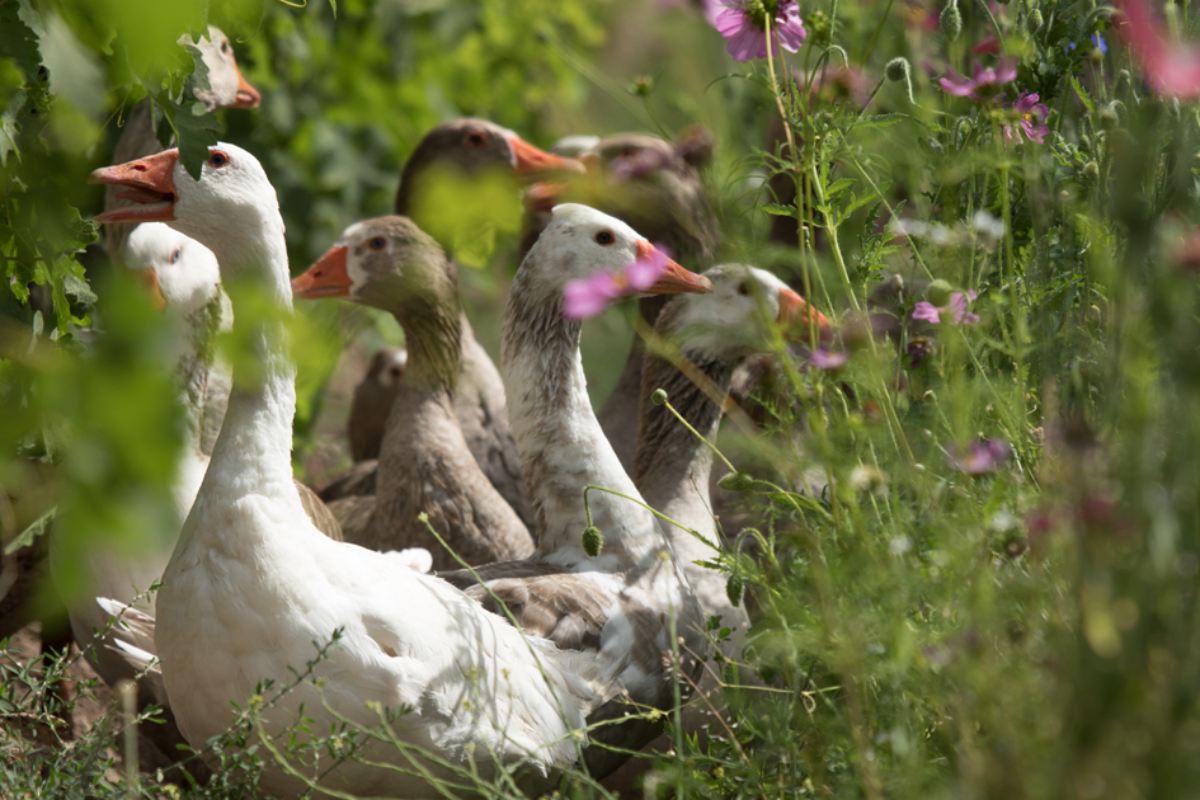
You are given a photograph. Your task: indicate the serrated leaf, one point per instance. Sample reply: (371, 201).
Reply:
(1082, 94)
(31, 533)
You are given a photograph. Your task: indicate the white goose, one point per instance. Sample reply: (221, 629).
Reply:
(625, 605)
(253, 585)
(185, 282)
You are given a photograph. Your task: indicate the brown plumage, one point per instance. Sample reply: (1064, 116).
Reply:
(373, 402)
(470, 148)
(425, 465)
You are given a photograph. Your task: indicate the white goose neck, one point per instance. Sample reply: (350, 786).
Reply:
(561, 444)
(253, 451)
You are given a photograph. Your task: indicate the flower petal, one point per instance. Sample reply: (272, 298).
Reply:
(926, 311)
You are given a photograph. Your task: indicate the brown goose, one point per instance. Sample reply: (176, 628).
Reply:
(471, 148)
(656, 187)
(425, 464)
(373, 402)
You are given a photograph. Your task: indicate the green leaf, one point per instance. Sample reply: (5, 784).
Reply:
(1082, 94)
(779, 209)
(32, 532)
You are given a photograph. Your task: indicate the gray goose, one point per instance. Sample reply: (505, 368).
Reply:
(655, 186)
(425, 464)
(467, 149)
(711, 334)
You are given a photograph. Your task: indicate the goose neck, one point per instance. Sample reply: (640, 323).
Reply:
(672, 465)
(560, 442)
(253, 451)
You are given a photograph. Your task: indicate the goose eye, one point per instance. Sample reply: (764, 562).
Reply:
(217, 159)
(175, 255)
(743, 288)
(604, 238)
(475, 139)
(377, 243)
(225, 47)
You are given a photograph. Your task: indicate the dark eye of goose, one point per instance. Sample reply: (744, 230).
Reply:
(218, 159)
(377, 243)
(175, 255)
(604, 238)
(743, 288)
(225, 47)
(475, 139)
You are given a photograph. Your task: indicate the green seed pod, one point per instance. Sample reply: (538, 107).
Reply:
(897, 69)
(736, 482)
(593, 541)
(1108, 117)
(1036, 21)
(938, 292)
(1091, 169)
(819, 27)
(950, 21)
(659, 397)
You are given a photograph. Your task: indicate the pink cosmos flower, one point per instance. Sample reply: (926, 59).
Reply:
(744, 23)
(586, 297)
(1031, 119)
(983, 84)
(989, 46)
(822, 358)
(1171, 68)
(982, 456)
(958, 310)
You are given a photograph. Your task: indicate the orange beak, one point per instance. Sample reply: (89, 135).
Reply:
(325, 278)
(151, 188)
(675, 279)
(794, 308)
(150, 277)
(544, 195)
(247, 95)
(530, 159)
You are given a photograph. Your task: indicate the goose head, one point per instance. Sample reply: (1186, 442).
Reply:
(472, 147)
(580, 242)
(227, 88)
(387, 263)
(651, 183)
(737, 318)
(226, 210)
(182, 274)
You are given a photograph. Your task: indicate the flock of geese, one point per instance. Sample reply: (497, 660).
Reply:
(473, 612)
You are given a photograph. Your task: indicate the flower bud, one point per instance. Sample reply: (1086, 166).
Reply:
(938, 292)
(736, 482)
(820, 27)
(950, 21)
(659, 397)
(1036, 21)
(897, 69)
(593, 541)
(1108, 117)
